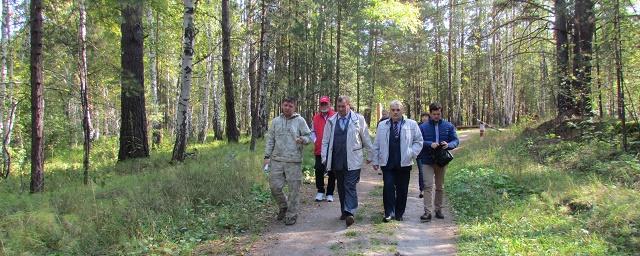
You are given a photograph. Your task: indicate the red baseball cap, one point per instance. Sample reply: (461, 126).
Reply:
(324, 99)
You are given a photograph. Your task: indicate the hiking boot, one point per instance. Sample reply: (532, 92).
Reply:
(439, 214)
(330, 198)
(421, 194)
(290, 221)
(343, 217)
(386, 219)
(399, 218)
(319, 197)
(281, 213)
(425, 217)
(350, 220)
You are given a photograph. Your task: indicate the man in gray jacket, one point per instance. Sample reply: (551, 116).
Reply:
(283, 152)
(344, 139)
(398, 142)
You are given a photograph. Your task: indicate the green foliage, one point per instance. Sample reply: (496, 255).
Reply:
(510, 197)
(140, 207)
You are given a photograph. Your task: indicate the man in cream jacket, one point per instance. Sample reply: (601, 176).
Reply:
(283, 152)
(398, 142)
(344, 140)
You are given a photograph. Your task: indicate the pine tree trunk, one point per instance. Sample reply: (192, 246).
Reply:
(233, 134)
(565, 99)
(583, 27)
(133, 126)
(185, 88)
(37, 98)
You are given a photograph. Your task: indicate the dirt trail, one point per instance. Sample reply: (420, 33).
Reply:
(320, 232)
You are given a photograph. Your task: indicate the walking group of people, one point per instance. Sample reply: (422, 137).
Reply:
(342, 140)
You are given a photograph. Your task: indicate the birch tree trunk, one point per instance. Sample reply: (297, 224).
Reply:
(185, 87)
(87, 127)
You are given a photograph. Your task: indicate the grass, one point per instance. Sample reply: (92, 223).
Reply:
(517, 195)
(142, 206)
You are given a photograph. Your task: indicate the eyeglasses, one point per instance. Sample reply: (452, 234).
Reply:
(395, 110)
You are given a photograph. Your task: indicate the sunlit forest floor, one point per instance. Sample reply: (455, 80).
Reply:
(559, 189)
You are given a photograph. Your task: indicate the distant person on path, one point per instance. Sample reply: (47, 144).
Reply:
(283, 152)
(319, 121)
(438, 134)
(398, 142)
(345, 138)
(424, 117)
(482, 129)
(384, 116)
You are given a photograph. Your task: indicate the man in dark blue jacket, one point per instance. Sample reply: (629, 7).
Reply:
(438, 134)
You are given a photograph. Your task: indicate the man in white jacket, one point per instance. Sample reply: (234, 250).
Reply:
(344, 139)
(398, 142)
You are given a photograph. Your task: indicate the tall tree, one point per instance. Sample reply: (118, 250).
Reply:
(565, 99)
(233, 135)
(156, 134)
(259, 111)
(133, 124)
(37, 98)
(6, 79)
(87, 128)
(583, 28)
(619, 77)
(188, 41)
(213, 81)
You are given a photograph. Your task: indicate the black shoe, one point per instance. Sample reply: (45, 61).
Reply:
(350, 220)
(386, 219)
(426, 217)
(281, 214)
(290, 221)
(343, 217)
(439, 214)
(421, 194)
(399, 219)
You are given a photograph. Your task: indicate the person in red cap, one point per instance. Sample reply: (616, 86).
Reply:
(319, 120)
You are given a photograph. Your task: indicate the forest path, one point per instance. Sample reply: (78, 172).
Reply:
(320, 232)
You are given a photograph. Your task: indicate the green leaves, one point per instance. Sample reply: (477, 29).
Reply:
(403, 15)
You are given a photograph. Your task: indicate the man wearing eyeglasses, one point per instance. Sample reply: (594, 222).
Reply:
(398, 142)
(344, 139)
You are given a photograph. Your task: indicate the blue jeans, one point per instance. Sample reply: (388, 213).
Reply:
(420, 175)
(347, 192)
(396, 188)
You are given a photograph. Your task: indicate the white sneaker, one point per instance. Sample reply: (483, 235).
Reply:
(330, 198)
(319, 197)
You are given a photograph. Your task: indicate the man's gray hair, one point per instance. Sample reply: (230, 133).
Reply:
(344, 98)
(396, 103)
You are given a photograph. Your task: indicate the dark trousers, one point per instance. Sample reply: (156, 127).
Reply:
(320, 170)
(396, 188)
(347, 192)
(420, 175)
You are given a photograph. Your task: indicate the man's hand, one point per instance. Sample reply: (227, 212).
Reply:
(267, 161)
(434, 145)
(444, 144)
(376, 167)
(299, 140)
